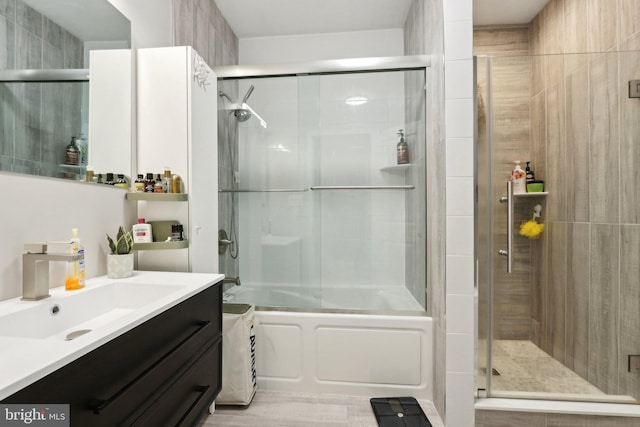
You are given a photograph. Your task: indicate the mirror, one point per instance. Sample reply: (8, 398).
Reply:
(38, 118)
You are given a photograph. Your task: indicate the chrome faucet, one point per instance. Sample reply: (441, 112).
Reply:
(35, 269)
(234, 280)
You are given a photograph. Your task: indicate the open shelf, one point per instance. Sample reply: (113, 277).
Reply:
(396, 168)
(158, 197)
(538, 194)
(158, 246)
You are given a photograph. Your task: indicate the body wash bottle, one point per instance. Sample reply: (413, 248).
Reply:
(142, 232)
(519, 178)
(402, 149)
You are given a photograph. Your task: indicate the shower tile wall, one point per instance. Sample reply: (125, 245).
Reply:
(200, 24)
(37, 120)
(585, 308)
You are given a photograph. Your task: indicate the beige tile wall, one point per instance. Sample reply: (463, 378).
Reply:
(584, 135)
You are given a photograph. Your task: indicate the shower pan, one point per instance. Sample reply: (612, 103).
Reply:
(558, 319)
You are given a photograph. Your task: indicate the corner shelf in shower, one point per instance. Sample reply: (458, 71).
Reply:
(396, 168)
(158, 197)
(537, 194)
(159, 246)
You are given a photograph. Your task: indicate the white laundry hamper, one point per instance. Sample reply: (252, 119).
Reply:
(239, 381)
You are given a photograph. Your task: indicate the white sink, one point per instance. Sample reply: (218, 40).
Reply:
(84, 310)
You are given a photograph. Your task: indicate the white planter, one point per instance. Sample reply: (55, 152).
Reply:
(120, 266)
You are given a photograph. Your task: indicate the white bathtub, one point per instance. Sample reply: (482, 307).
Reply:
(320, 351)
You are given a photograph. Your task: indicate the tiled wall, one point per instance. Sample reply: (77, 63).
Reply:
(200, 24)
(424, 35)
(37, 120)
(584, 142)
(444, 31)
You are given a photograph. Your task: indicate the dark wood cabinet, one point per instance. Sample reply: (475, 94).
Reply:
(165, 372)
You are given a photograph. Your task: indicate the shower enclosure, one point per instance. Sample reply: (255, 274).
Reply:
(315, 212)
(563, 324)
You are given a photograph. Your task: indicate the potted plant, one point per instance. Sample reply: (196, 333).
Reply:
(120, 261)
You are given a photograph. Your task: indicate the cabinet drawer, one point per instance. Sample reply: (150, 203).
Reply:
(190, 395)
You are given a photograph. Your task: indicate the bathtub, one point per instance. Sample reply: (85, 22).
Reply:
(307, 345)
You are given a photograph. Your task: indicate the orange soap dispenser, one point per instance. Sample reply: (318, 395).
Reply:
(75, 269)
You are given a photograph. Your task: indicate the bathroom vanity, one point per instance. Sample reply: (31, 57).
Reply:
(152, 355)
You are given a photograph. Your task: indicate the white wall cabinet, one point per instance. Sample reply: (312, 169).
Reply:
(177, 127)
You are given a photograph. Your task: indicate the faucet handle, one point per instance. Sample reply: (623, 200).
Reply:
(35, 248)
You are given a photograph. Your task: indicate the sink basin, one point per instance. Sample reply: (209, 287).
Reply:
(65, 314)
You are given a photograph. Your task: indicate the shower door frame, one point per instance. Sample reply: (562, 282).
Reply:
(341, 66)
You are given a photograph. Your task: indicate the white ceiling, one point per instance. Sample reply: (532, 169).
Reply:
(89, 20)
(497, 12)
(266, 18)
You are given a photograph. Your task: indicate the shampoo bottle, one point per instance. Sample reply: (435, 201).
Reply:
(75, 269)
(518, 176)
(402, 149)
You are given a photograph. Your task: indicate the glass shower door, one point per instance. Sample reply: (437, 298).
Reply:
(563, 324)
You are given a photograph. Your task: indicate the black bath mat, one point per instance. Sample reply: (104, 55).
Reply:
(399, 412)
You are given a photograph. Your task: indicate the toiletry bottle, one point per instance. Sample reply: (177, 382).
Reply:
(142, 232)
(75, 269)
(100, 179)
(138, 185)
(177, 184)
(157, 187)
(72, 153)
(530, 174)
(149, 183)
(167, 181)
(402, 149)
(121, 182)
(518, 176)
(89, 176)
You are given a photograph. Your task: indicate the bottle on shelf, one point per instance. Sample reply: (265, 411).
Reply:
(518, 176)
(121, 182)
(149, 183)
(402, 149)
(72, 153)
(142, 232)
(138, 185)
(110, 180)
(167, 180)
(157, 186)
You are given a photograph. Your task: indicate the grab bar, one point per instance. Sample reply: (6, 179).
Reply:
(363, 187)
(265, 190)
(509, 252)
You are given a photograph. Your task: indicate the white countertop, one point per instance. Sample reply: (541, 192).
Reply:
(26, 360)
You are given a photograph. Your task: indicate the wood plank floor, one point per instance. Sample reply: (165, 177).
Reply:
(284, 409)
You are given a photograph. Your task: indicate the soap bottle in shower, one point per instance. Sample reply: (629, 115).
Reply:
(519, 178)
(402, 149)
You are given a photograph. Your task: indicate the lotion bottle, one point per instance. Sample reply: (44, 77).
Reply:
(519, 178)
(142, 232)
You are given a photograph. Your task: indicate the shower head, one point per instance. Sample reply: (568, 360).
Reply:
(246, 111)
(242, 114)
